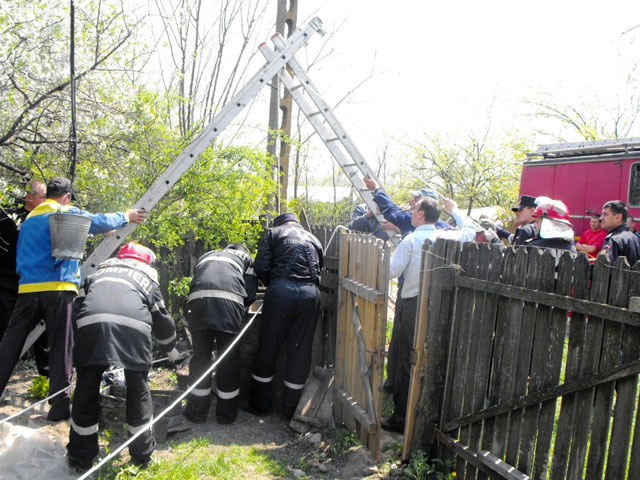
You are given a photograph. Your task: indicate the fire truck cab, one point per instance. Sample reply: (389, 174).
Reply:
(585, 175)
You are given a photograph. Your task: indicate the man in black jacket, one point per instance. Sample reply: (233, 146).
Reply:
(10, 222)
(121, 308)
(289, 261)
(620, 241)
(224, 284)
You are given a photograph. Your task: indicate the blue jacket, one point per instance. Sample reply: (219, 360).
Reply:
(401, 219)
(361, 223)
(39, 271)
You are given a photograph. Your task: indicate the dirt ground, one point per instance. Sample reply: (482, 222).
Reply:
(308, 455)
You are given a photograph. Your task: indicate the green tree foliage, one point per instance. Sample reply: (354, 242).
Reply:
(477, 173)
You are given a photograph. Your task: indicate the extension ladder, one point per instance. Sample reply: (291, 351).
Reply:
(330, 131)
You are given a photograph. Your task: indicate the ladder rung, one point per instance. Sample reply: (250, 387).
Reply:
(334, 139)
(315, 113)
(350, 165)
(297, 87)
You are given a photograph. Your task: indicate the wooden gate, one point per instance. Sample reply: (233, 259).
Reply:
(360, 338)
(529, 365)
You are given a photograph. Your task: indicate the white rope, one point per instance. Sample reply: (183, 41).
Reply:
(34, 405)
(334, 234)
(182, 357)
(175, 402)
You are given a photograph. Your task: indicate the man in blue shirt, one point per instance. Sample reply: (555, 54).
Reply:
(47, 288)
(406, 261)
(394, 214)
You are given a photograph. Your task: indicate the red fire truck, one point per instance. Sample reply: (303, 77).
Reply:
(585, 175)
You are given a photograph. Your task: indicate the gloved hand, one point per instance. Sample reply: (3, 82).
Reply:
(173, 355)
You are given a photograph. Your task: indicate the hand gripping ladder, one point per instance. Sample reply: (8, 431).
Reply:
(193, 151)
(184, 161)
(330, 131)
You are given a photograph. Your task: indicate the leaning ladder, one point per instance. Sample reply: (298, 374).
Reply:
(193, 151)
(331, 132)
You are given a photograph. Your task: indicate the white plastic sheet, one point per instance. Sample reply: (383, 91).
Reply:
(29, 454)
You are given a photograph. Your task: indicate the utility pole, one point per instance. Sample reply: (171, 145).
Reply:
(278, 145)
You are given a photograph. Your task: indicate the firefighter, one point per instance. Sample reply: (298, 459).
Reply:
(47, 288)
(224, 284)
(114, 321)
(289, 261)
(552, 226)
(620, 241)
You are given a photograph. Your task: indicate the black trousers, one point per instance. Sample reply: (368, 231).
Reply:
(83, 435)
(227, 375)
(55, 309)
(406, 320)
(392, 354)
(289, 315)
(40, 348)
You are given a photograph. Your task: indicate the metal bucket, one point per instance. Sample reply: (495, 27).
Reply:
(69, 234)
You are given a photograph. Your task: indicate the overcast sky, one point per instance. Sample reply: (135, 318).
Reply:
(444, 66)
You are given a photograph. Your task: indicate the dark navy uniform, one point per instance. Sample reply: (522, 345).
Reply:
(224, 284)
(289, 261)
(123, 306)
(524, 233)
(621, 242)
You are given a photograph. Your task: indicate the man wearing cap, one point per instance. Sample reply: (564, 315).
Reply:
(620, 241)
(525, 220)
(363, 220)
(394, 214)
(289, 262)
(224, 284)
(47, 288)
(118, 333)
(552, 225)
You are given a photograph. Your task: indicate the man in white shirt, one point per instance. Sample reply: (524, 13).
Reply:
(406, 260)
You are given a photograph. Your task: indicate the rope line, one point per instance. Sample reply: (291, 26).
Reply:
(175, 402)
(34, 405)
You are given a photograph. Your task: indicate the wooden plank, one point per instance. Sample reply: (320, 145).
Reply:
(473, 395)
(331, 263)
(459, 346)
(485, 346)
(362, 361)
(588, 365)
(429, 405)
(354, 409)
(358, 288)
(508, 427)
(536, 358)
(576, 348)
(419, 346)
(491, 425)
(609, 357)
(483, 459)
(340, 328)
(577, 385)
(625, 392)
(601, 310)
(553, 367)
(634, 457)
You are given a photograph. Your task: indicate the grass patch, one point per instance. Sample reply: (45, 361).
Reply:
(196, 459)
(342, 440)
(39, 387)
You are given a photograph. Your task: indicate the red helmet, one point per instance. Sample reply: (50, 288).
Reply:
(137, 252)
(552, 209)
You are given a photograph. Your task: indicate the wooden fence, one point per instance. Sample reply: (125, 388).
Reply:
(526, 365)
(360, 340)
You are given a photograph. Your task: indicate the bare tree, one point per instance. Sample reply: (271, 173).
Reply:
(208, 51)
